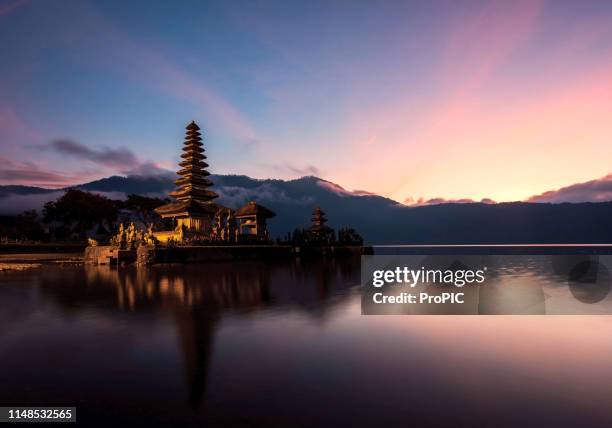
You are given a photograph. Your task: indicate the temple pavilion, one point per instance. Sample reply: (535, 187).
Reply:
(252, 221)
(194, 214)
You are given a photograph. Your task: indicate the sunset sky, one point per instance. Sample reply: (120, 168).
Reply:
(427, 99)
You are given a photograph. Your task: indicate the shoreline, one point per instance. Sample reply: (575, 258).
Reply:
(22, 261)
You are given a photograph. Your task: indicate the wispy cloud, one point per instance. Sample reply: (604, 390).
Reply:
(121, 159)
(29, 173)
(14, 128)
(305, 170)
(10, 6)
(288, 169)
(482, 41)
(148, 65)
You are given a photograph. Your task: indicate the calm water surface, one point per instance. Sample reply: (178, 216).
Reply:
(256, 344)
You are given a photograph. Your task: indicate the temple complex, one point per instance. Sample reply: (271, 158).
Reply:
(203, 230)
(195, 217)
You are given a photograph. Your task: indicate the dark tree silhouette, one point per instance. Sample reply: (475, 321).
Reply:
(78, 212)
(349, 236)
(27, 226)
(22, 227)
(142, 208)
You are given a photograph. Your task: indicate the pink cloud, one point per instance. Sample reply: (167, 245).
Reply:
(490, 134)
(476, 48)
(488, 37)
(437, 201)
(30, 173)
(13, 127)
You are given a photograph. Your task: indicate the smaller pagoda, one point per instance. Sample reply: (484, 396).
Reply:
(319, 230)
(252, 221)
(193, 211)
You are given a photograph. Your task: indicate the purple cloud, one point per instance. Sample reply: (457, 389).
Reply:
(598, 190)
(120, 159)
(14, 172)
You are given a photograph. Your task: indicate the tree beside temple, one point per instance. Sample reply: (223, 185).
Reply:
(141, 209)
(78, 213)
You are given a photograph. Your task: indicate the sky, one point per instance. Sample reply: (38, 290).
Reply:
(412, 100)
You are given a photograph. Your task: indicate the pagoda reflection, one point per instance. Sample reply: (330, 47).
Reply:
(197, 299)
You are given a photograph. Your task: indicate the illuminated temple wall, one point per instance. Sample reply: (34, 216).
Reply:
(199, 225)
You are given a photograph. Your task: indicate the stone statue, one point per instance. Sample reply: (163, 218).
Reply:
(149, 237)
(230, 226)
(120, 238)
(216, 228)
(181, 229)
(131, 236)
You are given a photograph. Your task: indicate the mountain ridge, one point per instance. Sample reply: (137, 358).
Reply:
(379, 219)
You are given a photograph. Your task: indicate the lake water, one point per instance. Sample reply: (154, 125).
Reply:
(285, 344)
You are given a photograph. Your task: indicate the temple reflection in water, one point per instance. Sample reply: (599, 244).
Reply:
(198, 302)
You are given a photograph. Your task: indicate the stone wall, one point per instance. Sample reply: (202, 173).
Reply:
(108, 255)
(149, 254)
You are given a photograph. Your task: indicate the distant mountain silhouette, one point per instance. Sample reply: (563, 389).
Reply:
(23, 190)
(380, 220)
(132, 184)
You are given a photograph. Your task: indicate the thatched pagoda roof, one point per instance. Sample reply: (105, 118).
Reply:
(253, 208)
(188, 208)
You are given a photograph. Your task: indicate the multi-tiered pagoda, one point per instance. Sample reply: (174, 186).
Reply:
(319, 229)
(193, 210)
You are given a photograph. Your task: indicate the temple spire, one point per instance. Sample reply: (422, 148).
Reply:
(319, 230)
(193, 184)
(318, 219)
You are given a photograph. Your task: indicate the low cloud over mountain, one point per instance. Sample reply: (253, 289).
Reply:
(591, 191)
(411, 202)
(379, 219)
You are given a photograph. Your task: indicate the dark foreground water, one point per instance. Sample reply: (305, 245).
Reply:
(253, 344)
